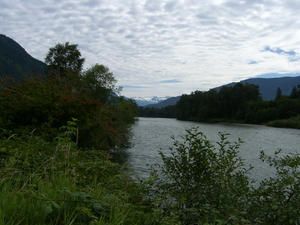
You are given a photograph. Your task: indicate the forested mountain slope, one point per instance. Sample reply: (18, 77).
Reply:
(15, 62)
(268, 86)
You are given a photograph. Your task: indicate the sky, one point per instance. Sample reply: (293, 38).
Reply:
(164, 48)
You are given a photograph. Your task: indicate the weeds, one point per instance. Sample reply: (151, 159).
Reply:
(46, 182)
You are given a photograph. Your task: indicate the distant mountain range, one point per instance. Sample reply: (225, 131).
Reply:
(167, 102)
(143, 101)
(16, 63)
(267, 86)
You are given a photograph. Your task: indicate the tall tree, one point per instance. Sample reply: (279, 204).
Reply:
(63, 58)
(295, 93)
(100, 80)
(278, 93)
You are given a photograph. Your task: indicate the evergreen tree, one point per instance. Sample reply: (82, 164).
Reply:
(295, 93)
(278, 93)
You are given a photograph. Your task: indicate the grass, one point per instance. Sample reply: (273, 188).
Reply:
(56, 183)
(293, 122)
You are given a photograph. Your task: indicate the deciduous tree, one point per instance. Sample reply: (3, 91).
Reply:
(63, 58)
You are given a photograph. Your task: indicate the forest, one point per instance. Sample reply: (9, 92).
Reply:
(240, 103)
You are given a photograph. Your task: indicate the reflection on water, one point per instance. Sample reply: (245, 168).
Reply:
(153, 134)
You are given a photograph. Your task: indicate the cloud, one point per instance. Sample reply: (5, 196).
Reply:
(166, 47)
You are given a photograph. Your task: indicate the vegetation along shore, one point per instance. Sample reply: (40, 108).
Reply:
(241, 103)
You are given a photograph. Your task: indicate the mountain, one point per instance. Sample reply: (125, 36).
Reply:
(167, 102)
(268, 86)
(143, 101)
(15, 62)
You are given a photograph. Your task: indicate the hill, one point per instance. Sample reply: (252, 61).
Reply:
(15, 62)
(169, 101)
(268, 86)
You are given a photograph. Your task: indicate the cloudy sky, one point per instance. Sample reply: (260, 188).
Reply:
(157, 47)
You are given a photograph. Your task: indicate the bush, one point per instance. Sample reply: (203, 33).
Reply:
(44, 182)
(202, 183)
(44, 106)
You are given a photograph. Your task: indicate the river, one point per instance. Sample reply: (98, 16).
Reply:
(153, 134)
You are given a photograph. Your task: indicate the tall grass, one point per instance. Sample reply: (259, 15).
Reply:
(55, 183)
(293, 122)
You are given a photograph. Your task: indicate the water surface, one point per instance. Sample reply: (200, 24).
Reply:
(153, 134)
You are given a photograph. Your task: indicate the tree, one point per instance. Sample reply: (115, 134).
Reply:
(100, 81)
(45, 105)
(295, 93)
(278, 93)
(63, 58)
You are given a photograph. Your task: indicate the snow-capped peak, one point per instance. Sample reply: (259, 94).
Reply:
(142, 101)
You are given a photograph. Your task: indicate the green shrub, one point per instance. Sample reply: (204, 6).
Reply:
(276, 200)
(202, 183)
(205, 183)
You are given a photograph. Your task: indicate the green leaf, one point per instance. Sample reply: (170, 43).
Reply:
(97, 207)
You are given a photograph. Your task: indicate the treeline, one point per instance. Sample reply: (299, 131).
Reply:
(165, 112)
(241, 102)
(223, 104)
(238, 103)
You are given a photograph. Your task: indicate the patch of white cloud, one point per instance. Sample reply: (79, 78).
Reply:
(204, 44)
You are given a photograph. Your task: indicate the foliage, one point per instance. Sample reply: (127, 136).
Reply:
(55, 182)
(276, 200)
(164, 112)
(278, 93)
(99, 79)
(62, 58)
(264, 112)
(295, 93)
(237, 103)
(205, 183)
(227, 103)
(45, 105)
(293, 122)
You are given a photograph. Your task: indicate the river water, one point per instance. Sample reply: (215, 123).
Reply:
(153, 134)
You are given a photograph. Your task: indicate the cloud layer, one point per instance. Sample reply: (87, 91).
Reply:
(161, 48)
